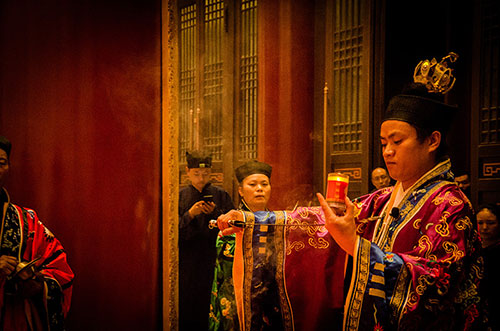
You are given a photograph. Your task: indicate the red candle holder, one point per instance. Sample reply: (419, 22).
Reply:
(336, 190)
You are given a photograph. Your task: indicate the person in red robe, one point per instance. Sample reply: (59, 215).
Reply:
(418, 266)
(35, 278)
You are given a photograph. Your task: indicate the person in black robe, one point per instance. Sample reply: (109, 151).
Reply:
(199, 203)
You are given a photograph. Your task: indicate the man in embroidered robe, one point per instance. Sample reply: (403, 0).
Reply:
(414, 247)
(35, 278)
(416, 267)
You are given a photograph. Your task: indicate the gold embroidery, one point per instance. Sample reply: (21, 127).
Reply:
(376, 293)
(357, 209)
(296, 245)
(445, 165)
(425, 245)
(400, 292)
(463, 224)
(447, 197)
(358, 285)
(379, 266)
(478, 267)
(452, 248)
(407, 207)
(296, 224)
(305, 211)
(360, 228)
(262, 250)
(442, 228)
(416, 223)
(378, 279)
(279, 241)
(422, 283)
(319, 244)
(412, 301)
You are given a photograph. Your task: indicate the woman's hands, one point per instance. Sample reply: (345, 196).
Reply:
(341, 228)
(223, 222)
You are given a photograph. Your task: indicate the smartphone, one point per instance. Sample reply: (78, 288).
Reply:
(208, 198)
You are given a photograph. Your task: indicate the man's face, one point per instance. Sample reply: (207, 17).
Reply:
(406, 158)
(380, 178)
(4, 167)
(199, 177)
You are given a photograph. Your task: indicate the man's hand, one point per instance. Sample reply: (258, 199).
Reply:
(223, 222)
(7, 265)
(341, 228)
(201, 207)
(209, 207)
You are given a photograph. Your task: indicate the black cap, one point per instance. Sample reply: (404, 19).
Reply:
(253, 167)
(5, 145)
(198, 159)
(421, 109)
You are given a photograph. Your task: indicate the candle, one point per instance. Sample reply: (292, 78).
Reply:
(336, 189)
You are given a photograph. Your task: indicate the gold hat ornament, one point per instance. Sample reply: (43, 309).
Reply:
(437, 77)
(421, 104)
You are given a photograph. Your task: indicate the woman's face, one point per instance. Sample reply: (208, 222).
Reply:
(488, 225)
(256, 191)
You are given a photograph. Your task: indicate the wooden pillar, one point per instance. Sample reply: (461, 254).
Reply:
(286, 50)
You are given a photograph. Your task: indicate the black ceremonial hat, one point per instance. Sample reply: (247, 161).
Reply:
(5, 145)
(253, 167)
(198, 159)
(420, 111)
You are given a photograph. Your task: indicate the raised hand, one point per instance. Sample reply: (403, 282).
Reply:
(341, 227)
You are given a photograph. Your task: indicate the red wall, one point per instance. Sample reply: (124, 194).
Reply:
(286, 80)
(80, 101)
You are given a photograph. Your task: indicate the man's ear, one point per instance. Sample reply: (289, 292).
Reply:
(187, 170)
(434, 141)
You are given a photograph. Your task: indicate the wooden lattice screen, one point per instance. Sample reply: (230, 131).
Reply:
(347, 75)
(490, 59)
(205, 44)
(248, 81)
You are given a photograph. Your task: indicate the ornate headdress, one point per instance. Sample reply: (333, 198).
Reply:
(421, 104)
(437, 77)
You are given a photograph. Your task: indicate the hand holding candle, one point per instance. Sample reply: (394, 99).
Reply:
(336, 190)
